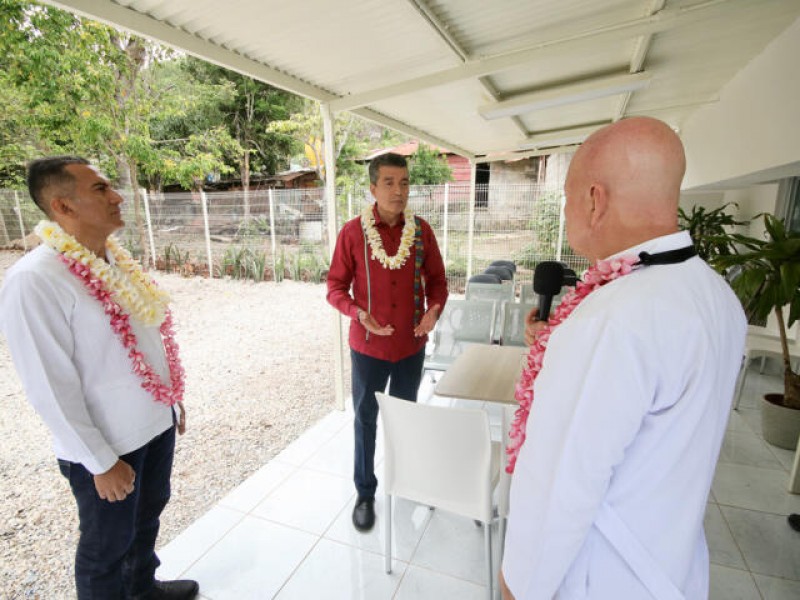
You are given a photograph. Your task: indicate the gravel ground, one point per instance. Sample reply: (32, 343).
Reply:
(259, 369)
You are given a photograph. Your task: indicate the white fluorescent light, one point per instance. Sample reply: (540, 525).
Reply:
(562, 137)
(583, 91)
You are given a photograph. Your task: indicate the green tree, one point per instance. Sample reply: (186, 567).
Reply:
(85, 85)
(189, 139)
(247, 110)
(428, 167)
(355, 137)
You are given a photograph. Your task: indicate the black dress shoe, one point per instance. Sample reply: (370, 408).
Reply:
(179, 589)
(794, 521)
(364, 514)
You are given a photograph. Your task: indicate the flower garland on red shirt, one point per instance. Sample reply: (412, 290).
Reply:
(595, 277)
(97, 276)
(376, 243)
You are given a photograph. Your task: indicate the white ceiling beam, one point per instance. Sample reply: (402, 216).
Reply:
(144, 25)
(662, 21)
(421, 135)
(582, 91)
(159, 31)
(504, 156)
(443, 31)
(560, 137)
(440, 28)
(640, 51)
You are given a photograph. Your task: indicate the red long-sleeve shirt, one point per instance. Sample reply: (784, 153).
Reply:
(392, 290)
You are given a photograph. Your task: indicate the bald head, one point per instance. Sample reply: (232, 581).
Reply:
(623, 186)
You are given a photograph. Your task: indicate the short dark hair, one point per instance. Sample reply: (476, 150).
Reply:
(390, 159)
(48, 172)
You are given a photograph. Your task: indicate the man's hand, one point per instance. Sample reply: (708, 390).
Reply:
(181, 418)
(371, 325)
(532, 326)
(115, 484)
(507, 595)
(428, 321)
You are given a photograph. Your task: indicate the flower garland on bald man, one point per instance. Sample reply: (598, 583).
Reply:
(597, 276)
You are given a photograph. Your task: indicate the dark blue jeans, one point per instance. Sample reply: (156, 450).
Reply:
(116, 556)
(370, 375)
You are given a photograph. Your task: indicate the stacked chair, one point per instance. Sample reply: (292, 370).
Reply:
(462, 322)
(489, 314)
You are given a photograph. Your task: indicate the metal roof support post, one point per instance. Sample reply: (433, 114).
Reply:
(471, 225)
(330, 201)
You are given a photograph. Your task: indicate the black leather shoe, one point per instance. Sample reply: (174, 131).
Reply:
(179, 589)
(364, 514)
(794, 521)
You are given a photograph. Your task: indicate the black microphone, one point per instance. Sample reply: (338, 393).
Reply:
(570, 277)
(547, 281)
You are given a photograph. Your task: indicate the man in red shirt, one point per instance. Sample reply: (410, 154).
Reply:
(386, 269)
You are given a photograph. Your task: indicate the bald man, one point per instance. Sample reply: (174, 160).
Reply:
(631, 404)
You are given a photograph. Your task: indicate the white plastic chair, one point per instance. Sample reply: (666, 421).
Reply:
(441, 457)
(526, 293)
(462, 322)
(497, 292)
(513, 329)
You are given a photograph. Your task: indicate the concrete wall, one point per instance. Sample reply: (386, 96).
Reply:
(509, 173)
(755, 126)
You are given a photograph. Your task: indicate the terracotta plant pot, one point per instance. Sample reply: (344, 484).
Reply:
(780, 426)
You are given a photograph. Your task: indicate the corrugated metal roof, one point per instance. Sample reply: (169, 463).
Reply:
(429, 67)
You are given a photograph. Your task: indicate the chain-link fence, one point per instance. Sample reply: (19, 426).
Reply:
(274, 234)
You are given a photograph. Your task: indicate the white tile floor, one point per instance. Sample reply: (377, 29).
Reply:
(285, 533)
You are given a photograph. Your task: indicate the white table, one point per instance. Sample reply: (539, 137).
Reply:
(483, 372)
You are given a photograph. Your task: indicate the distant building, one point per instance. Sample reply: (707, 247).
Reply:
(458, 164)
(295, 179)
(547, 171)
(285, 180)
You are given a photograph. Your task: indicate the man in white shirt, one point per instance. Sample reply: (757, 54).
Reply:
(632, 400)
(74, 352)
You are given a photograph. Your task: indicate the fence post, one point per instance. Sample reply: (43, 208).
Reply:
(146, 198)
(204, 202)
(6, 237)
(561, 201)
(270, 193)
(471, 225)
(21, 222)
(445, 224)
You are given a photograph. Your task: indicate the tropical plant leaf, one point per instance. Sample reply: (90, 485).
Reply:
(794, 311)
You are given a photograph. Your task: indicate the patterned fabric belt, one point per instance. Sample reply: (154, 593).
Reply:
(418, 256)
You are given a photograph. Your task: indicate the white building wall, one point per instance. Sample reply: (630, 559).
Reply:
(756, 123)
(752, 201)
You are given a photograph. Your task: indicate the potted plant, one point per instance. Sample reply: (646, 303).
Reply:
(709, 230)
(769, 281)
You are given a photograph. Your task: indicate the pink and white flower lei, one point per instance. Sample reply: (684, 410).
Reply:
(128, 283)
(597, 276)
(120, 323)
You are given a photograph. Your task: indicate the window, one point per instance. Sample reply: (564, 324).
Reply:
(788, 206)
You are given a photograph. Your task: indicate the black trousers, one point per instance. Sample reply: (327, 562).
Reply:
(116, 556)
(370, 375)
